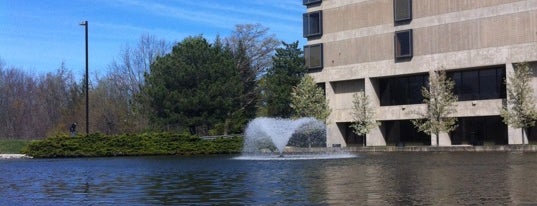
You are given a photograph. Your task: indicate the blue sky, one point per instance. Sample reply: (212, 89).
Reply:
(37, 35)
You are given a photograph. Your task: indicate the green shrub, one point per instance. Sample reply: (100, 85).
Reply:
(99, 145)
(12, 146)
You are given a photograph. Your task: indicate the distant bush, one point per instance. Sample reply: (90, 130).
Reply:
(99, 145)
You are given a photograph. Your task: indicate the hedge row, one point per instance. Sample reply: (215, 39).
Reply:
(99, 145)
(12, 146)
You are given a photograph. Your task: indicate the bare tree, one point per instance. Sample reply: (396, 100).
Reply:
(122, 85)
(440, 101)
(520, 111)
(135, 62)
(17, 91)
(56, 101)
(252, 48)
(257, 45)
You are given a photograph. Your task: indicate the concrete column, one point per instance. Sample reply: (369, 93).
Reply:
(334, 136)
(375, 137)
(515, 136)
(444, 139)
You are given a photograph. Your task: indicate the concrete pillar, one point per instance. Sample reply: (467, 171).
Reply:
(444, 139)
(334, 136)
(515, 136)
(375, 136)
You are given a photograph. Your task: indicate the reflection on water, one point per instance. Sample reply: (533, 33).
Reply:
(369, 179)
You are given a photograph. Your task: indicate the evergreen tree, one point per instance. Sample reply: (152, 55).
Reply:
(520, 111)
(363, 115)
(308, 100)
(196, 86)
(250, 94)
(253, 47)
(440, 101)
(286, 72)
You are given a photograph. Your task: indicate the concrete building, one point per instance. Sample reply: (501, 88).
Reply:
(387, 47)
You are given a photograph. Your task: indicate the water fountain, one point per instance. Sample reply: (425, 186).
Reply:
(266, 138)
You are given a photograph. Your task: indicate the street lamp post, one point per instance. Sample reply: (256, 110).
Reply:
(85, 24)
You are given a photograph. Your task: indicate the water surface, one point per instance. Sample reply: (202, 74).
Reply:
(369, 179)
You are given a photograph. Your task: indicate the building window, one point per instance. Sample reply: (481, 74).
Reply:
(313, 55)
(488, 130)
(402, 11)
(402, 90)
(403, 44)
(313, 24)
(310, 2)
(479, 84)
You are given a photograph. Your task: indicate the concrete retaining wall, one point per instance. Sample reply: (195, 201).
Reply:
(501, 148)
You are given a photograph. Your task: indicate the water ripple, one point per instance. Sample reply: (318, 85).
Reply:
(370, 179)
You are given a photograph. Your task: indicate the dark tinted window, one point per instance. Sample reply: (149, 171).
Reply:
(487, 84)
(479, 84)
(403, 44)
(457, 88)
(500, 81)
(402, 10)
(309, 2)
(415, 83)
(313, 24)
(313, 55)
(470, 85)
(402, 90)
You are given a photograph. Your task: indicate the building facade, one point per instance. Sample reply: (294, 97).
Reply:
(387, 47)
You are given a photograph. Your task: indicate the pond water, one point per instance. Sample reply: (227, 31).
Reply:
(368, 179)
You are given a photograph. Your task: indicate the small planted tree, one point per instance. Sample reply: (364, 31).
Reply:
(362, 114)
(440, 102)
(308, 100)
(520, 111)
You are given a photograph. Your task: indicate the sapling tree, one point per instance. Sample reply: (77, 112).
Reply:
(308, 100)
(440, 102)
(363, 114)
(520, 111)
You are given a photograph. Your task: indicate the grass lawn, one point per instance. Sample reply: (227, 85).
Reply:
(12, 146)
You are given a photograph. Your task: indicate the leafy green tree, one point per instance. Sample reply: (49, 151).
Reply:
(520, 111)
(286, 72)
(196, 86)
(308, 100)
(440, 101)
(362, 114)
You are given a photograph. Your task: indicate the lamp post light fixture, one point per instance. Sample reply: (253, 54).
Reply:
(85, 24)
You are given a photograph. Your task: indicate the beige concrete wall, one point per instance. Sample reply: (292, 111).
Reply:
(357, 50)
(344, 91)
(494, 31)
(488, 32)
(424, 8)
(453, 34)
(356, 17)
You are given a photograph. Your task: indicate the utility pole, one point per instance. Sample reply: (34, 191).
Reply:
(85, 24)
